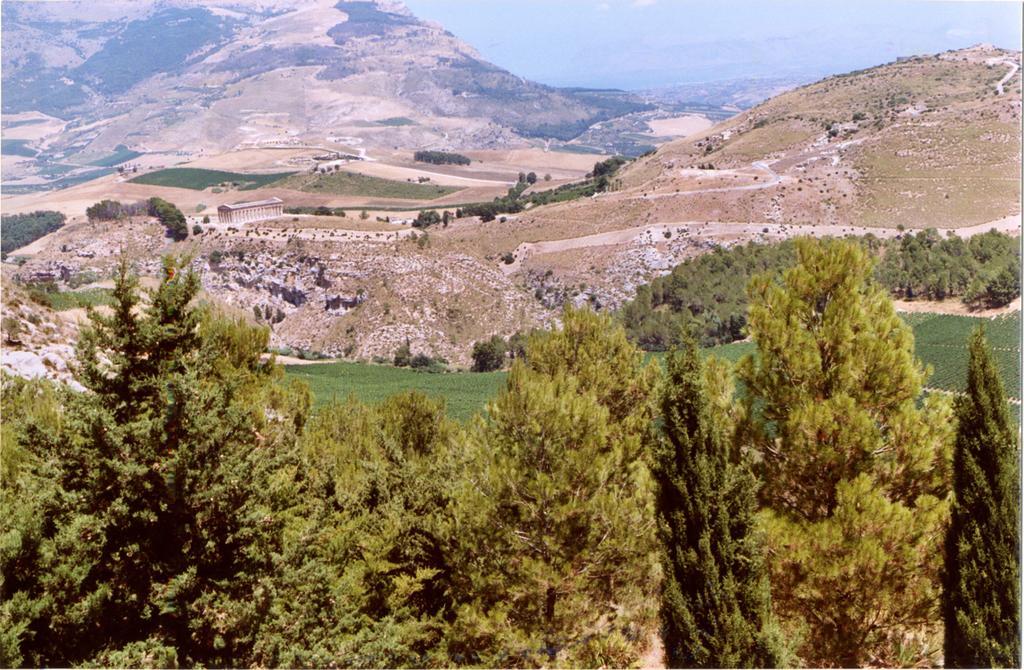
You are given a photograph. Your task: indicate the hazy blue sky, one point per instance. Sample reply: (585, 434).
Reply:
(647, 43)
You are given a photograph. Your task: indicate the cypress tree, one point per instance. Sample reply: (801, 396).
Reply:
(981, 603)
(715, 600)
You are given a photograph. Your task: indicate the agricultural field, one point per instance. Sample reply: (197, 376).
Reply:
(940, 342)
(354, 184)
(16, 148)
(941, 339)
(199, 179)
(465, 393)
(122, 154)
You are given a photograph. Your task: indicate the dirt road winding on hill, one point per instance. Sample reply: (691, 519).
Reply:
(773, 179)
(1009, 75)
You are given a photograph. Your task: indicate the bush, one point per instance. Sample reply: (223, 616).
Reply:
(426, 218)
(197, 229)
(490, 355)
(403, 356)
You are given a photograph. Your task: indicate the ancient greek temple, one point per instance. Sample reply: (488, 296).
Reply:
(244, 212)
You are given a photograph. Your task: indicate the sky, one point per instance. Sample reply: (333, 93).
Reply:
(637, 44)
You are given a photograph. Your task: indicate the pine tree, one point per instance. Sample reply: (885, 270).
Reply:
(715, 604)
(856, 475)
(160, 520)
(557, 558)
(981, 603)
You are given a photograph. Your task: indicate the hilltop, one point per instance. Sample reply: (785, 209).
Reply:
(105, 85)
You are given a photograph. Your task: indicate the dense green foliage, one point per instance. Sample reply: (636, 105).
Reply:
(706, 295)
(716, 606)
(983, 270)
(703, 296)
(490, 355)
(143, 513)
(105, 210)
(941, 341)
(856, 474)
(514, 201)
(559, 554)
(192, 509)
(199, 179)
(981, 604)
(170, 217)
(64, 300)
(22, 229)
(426, 218)
(317, 211)
(440, 158)
(341, 182)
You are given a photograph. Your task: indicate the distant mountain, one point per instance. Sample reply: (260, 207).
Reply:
(191, 76)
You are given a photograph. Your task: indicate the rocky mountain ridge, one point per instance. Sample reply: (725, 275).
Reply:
(228, 74)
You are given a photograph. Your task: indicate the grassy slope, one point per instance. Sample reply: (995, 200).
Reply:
(198, 179)
(940, 342)
(353, 184)
(952, 162)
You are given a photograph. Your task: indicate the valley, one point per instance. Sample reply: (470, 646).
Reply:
(329, 340)
(350, 271)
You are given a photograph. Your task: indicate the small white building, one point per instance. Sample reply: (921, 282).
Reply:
(245, 212)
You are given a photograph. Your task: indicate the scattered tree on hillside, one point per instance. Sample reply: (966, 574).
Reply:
(426, 218)
(105, 210)
(170, 216)
(715, 604)
(981, 604)
(856, 475)
(403, 356)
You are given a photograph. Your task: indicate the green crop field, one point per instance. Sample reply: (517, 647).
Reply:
(941, 341)
(351, 183)
(465, 393)
(121, 154)
(198, 179)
